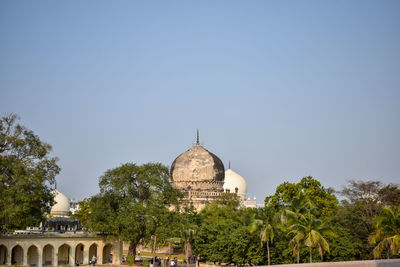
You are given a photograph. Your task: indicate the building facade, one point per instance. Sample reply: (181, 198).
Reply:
(59, 241)
(201, 176)
(54, 249)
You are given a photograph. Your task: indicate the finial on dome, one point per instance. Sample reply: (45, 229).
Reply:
(229, 164)
(197, 141)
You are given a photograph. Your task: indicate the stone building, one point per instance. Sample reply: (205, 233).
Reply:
(59, 241)
(201, 176)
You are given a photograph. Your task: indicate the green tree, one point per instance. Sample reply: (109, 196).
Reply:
(364, 201)
(321, 198)
(187, 235)
(266, 228)
(291, 215)
(311, 231)
(387, 232)
(134, 203)
(223, 235)
(27, 176)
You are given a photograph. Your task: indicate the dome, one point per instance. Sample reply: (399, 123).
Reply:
(61, 208)
(233, 181)
(197, 165)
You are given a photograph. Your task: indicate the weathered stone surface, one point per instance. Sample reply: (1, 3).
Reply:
(198, 165)
(199, 174)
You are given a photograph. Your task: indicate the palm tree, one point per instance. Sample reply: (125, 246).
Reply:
(295, 243)
(387, 232)
(298, 206)
(266, 229)
(187, 237)
(310, 231)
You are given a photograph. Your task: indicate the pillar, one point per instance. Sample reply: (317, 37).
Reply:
(40, 255)
(25, 256)
(8, 261)
(86, 254)
(55, 256)
(100, 253)
(71, 255)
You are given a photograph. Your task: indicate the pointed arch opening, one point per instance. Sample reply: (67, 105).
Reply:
(107, 254)
(79, 254)
(3, 255)
(63, 254)
(17, 255)
(93, 251)
(48, 255)
(33, 256)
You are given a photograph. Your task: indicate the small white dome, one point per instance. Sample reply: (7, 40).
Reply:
(233, 181)
(62, 207)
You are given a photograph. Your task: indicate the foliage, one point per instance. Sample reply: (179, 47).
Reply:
(130, 260)
(300, 218)
(266, 228)
(322, 199)
(27, 176)
(145, 262)
(387, 232)
(311, 231)
(223, 235)
(134, 203)
(364, 201)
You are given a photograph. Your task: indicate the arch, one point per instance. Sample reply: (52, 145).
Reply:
(79, 253)
(64, 252)
(47, 256)
(3, 255)
(93, 251)
(107, 253)
(33, 256)
(17, 255)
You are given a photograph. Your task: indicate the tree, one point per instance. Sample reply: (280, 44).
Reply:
(134, 203)
(365, 201)
(223, 235)
(291, 215)
(387, 233)
(321, 198)
(266, 229)
(187, 236)
(27, 176)
(311, 231)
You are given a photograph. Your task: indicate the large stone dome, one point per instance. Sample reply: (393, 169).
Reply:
(197, 165)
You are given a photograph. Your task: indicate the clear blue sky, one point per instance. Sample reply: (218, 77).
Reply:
(283, 89)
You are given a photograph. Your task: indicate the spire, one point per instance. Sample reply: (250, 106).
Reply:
(197, 140)
(229, 164)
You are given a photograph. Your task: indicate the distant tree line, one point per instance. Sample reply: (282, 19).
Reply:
(301, 222)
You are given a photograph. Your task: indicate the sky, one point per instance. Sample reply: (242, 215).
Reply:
(282, 89)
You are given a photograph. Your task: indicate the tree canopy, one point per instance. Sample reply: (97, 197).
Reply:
(134, 204)
(27, 176)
